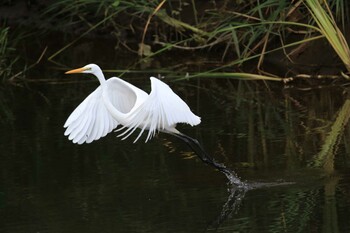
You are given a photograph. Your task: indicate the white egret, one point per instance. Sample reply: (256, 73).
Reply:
(117, 102)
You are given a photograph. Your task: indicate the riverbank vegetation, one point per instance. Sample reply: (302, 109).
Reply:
(269, 40)
(6, 60)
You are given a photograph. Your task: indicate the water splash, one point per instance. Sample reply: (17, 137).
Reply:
(237, 190)
(234, 180)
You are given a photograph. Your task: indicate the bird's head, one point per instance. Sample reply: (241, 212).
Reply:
(88, 69)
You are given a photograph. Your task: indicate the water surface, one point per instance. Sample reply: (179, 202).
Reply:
(291, 145)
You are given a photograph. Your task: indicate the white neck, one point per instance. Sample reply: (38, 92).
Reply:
(101, 78)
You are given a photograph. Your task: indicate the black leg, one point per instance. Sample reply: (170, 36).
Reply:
(206, 158)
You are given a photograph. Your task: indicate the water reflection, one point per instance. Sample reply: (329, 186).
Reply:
(325, 158)
(231, 206)
(48, 184)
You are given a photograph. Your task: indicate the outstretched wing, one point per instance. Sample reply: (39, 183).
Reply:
(90, 120)
(161, 111)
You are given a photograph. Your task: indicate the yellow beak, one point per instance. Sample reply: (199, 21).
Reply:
(79, 70)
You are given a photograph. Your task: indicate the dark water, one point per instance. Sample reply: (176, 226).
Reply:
(290, 144)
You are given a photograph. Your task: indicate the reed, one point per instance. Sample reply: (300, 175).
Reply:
(322, 15)
(5, 50)
(236, 34)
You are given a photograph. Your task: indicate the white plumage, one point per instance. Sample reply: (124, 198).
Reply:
(117, 102)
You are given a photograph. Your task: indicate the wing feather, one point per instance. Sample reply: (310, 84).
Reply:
(97, 126)
(78, 129)
(161, 111)
(91, 126)
(81, 137)
(90, 120)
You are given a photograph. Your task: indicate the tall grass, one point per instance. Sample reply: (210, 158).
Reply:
(231, 34)
(6, 60)
(3, 52)
(327, 24)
